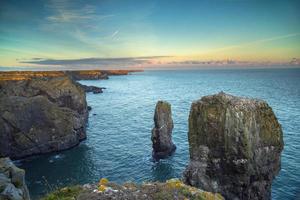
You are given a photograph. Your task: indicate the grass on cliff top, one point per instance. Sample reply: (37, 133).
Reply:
(66, 193)
(171, 189)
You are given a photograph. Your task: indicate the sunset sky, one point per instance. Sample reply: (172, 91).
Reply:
(116, 33)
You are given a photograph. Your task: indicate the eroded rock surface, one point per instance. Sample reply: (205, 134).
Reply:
(93, 89)
(235, 146)
(41, 115)
(172, 189)
(12, 181)
(162, 132)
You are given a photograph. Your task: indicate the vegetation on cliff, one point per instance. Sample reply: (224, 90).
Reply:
(170, 190)
(12, 181)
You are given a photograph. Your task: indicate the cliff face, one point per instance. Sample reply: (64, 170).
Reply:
(41, 115)
(162, 132)
(235, 146)
(12, 181)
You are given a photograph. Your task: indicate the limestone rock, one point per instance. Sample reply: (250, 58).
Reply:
(12, 181)
(235, 146)
(41, 115)
(162, 132)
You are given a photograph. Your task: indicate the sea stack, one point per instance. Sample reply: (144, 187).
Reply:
(12, 181)
(162, 132)
(235, 146)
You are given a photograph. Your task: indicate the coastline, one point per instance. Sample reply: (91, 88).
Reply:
(99, 83)
(76, 74)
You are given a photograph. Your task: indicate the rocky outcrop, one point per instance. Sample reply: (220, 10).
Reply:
(41, 115)
(162, 132)
(235, 146)
(94, 89)
(105, 190)
(12, 181)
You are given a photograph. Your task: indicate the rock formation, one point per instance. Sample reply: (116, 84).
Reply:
(12, 181)
(235, 146)
(105, 190)
(41, 115)
(94, 89)
(162, 132)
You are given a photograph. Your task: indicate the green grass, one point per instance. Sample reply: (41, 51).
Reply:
(66, 193)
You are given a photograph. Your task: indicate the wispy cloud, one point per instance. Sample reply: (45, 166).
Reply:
(80, 21)
(258, 42)
(64, 11)
(115, 33)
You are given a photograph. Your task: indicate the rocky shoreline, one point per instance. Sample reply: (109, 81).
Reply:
(235, 143)
(45, 111)
(41, 115)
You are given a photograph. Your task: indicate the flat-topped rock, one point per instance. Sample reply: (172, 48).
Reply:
(161, 137)
(235, 146)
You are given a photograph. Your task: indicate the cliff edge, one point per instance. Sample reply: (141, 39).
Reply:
(41, 115)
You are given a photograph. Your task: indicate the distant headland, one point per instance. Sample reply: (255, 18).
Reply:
(75, 74)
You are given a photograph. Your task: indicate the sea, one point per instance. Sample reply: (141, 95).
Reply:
(118, 144)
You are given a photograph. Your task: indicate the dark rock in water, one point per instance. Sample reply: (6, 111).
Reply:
(162, 132)
(41, 115)
(93, 89)
(12, 181)
(89, 108)
(235, 146)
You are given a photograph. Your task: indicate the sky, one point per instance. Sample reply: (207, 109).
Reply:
(134, 33)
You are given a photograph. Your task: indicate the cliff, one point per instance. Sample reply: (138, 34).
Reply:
(76, 75)
(44, 111)
(235, 146)
(41, 115)
(12, 181)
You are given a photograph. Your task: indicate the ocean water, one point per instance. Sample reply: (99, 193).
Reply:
(118, 144)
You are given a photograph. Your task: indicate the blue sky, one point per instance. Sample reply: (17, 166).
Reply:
(57, 31)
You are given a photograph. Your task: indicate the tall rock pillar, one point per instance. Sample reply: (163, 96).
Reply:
(162, 132)
(235, 146)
